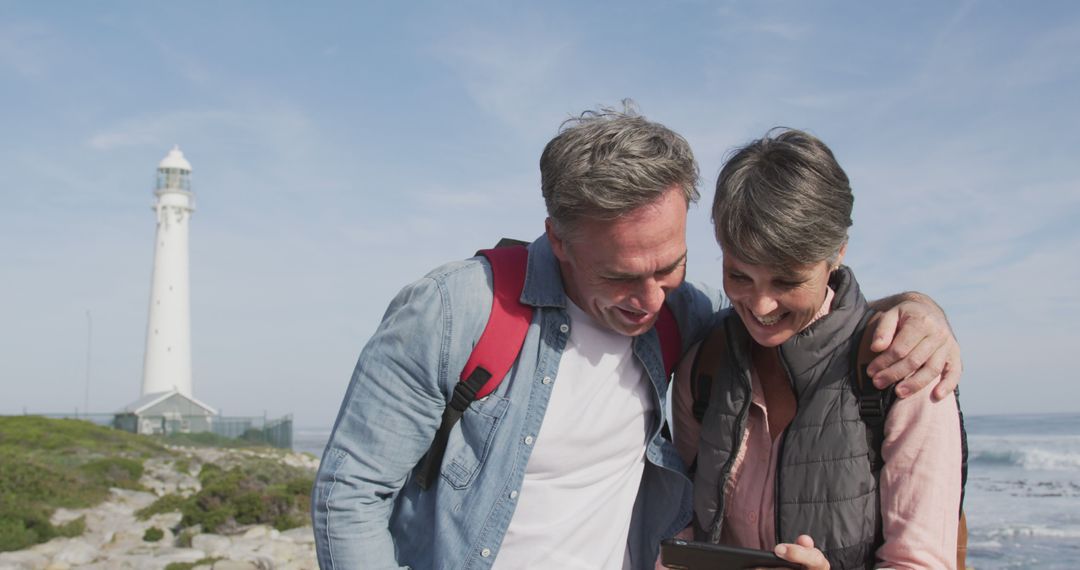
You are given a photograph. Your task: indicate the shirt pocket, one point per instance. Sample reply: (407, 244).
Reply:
(470, 441)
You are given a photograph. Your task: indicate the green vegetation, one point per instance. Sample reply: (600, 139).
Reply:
(182, 465)
(259, 492)
(252, 437)
(186, 537)
(190, 565)
(47, 463)
(153, 534)
(170, 503)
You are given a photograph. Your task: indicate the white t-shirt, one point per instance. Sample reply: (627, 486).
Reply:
(582, 478)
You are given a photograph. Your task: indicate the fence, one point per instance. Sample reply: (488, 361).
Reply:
(255, 429)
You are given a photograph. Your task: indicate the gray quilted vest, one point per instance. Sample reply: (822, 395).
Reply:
(825, 486)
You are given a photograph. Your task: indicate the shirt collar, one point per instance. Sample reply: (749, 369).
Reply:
(543, 278)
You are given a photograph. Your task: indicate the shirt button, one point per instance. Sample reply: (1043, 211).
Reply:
(513, 494)
(529, 440)
(485, 552)
(547, 380)
(751, 516)
(564, 328)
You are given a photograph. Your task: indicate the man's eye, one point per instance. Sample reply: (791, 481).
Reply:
(738, 277)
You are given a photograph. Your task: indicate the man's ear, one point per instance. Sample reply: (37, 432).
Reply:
(558, 245)
(840, 256)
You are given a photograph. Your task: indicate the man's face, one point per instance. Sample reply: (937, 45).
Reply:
(619, 271)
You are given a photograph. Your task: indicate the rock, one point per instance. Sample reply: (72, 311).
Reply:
(75, 553)
(301, 535)
(167, 556)
(212, 544)
(62, 515)
(23, 560)
(235, 565)
(256, 532)
(114, 538)
(300, 565)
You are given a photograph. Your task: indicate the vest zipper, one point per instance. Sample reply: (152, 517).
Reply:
(780, 453)
(718, 522)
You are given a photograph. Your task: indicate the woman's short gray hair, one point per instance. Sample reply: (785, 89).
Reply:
(606, 163)
(782, 201)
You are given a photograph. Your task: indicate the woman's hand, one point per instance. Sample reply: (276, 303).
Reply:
(803, 552)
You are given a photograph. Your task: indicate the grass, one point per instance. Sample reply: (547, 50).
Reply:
(46, 464)
(50, 463)
(260, 491)
(190, 565)
(251, 438)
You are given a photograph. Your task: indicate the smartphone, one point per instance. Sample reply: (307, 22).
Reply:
(684, 555)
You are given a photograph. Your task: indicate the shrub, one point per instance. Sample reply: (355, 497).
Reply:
(48, 463)
(170, 503)
(185, 538)
(115, 472)
(72, 528)
(14, 534)
(190, 565)
(259, 492)
(182, 465)
(153, 534)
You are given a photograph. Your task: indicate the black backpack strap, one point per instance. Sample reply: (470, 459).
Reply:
(494, 353)
(464, 394)
(711, 355)
(874, 405)
(962, 534)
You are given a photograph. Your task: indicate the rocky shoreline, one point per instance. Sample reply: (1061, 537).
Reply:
(115, 539)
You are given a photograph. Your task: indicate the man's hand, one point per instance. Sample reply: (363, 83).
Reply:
(803, 552)
(916, 344)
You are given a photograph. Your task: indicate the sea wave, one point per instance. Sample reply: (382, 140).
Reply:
(1031, 458)
(1031, 531)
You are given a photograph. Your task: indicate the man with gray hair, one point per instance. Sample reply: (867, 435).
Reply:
(564, 464)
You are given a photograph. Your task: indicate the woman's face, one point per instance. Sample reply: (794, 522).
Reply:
(775, 304)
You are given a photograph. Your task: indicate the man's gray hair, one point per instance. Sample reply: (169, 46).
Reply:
(606, 163)
(783, 201)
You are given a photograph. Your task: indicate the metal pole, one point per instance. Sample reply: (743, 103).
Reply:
(89, 338)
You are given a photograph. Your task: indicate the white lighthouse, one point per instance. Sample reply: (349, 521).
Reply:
(167, 363)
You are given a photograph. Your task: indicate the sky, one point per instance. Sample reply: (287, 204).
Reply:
(341, 150)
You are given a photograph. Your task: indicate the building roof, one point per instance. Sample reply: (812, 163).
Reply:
(175, 159)
(142, 404)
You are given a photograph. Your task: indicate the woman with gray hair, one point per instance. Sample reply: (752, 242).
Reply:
(785, 461)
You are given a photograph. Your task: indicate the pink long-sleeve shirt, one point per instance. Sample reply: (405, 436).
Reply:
(920, 482)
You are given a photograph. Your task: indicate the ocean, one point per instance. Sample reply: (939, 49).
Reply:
(1023, 491)
(1022, 496)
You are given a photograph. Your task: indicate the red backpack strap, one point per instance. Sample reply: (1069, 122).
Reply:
(493, 354)
(670, 339)
(504, 334)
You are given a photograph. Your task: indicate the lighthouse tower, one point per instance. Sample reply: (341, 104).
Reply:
(167, 364)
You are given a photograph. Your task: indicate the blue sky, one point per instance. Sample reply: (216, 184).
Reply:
(341, 150)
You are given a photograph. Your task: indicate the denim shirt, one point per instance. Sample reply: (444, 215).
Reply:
(367, 510)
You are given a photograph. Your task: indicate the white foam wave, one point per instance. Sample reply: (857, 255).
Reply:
(1034, 531)
(1027, 457)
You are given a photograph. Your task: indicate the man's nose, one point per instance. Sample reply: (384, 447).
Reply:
(650, 295)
